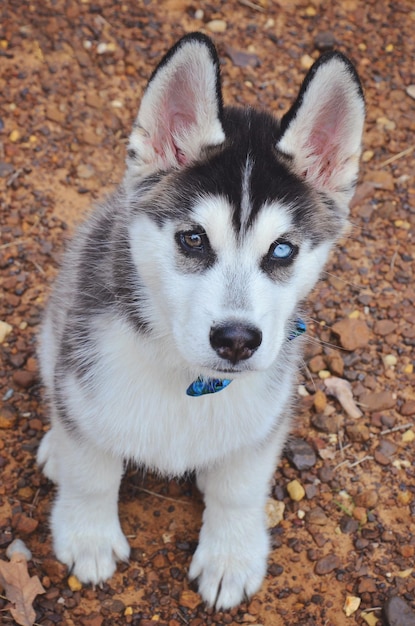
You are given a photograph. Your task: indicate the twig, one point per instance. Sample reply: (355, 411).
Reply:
(342, 280)
(365, 458)
(159, 495)
(347, 462)
(251, 5)
(14, 176)
(17, 242)
(396, 157)
(396, 428)
(341, 464)
(182, 617)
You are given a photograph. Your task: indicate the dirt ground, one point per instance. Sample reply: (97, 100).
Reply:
(71, 76)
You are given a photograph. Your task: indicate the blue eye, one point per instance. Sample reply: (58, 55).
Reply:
(280, 254)
(283, 250)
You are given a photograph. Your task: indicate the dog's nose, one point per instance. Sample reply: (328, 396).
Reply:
(235, 342)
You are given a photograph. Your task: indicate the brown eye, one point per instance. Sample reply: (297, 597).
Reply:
(193, 241)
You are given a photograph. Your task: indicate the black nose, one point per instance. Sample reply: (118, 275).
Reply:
(235, 342)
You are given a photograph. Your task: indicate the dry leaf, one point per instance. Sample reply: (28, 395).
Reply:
(351, 605)
(342, 391)
(370, 618)
(20, 588)
(404, 573)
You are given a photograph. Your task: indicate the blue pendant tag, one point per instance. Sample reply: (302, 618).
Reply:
(203, 386)
(300, 328)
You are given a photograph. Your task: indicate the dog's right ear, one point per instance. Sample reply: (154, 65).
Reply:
(181, 109)
(322, 132)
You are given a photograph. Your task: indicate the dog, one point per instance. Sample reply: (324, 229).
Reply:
(171, 337)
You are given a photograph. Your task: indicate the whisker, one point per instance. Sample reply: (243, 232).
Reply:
(326, 344)
(343, 280)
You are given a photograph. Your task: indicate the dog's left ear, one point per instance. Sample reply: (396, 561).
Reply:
(322, 132)
(181, 109)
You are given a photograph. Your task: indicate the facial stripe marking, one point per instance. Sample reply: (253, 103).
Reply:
(246, 204)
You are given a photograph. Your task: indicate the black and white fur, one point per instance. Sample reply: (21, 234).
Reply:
(195, 267)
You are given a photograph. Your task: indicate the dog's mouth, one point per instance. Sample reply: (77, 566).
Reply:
(229, 372)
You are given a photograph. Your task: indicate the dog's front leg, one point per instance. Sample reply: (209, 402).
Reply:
(231, 559)
(86, 531)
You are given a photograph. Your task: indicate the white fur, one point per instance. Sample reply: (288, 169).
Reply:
(130, 404)
(143, 381)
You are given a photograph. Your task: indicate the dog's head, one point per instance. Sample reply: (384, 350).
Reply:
(233, 213)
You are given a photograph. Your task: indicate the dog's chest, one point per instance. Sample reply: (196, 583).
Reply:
(139, 409)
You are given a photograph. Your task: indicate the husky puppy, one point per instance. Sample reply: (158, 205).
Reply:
(169, 338)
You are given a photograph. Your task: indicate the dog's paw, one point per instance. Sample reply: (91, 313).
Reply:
(46, 457)
(227, 578)
(90, 548)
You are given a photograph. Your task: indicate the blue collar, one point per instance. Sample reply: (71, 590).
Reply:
(202, 386)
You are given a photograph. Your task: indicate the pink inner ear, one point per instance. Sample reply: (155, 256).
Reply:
(325, 142)
(176, 118)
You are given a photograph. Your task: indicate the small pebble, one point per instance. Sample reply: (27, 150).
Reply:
(398, 613)
(320, 401)
(367, 156)
(360, 515)
(74, 584)
(24, 379)
(323, 374)
(408, 408)
(217, 26)
(103, 48)
(408, 436)
(327, 564)
(18, 547)
(404, 497)
(367, 499)
(306, 61)
(324, 41)
(348, 525)
(5, 330)
(8, 417)
(300, 453)
(14, 136)
(353, 333)
(295, 490)
(274, 511)
(190, 599)
(389, 360)
(377, 401)
(317, 516)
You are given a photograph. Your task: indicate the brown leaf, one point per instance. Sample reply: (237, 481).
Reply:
(20, 589)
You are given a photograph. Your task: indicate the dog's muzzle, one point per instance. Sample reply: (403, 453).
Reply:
(235, 342)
